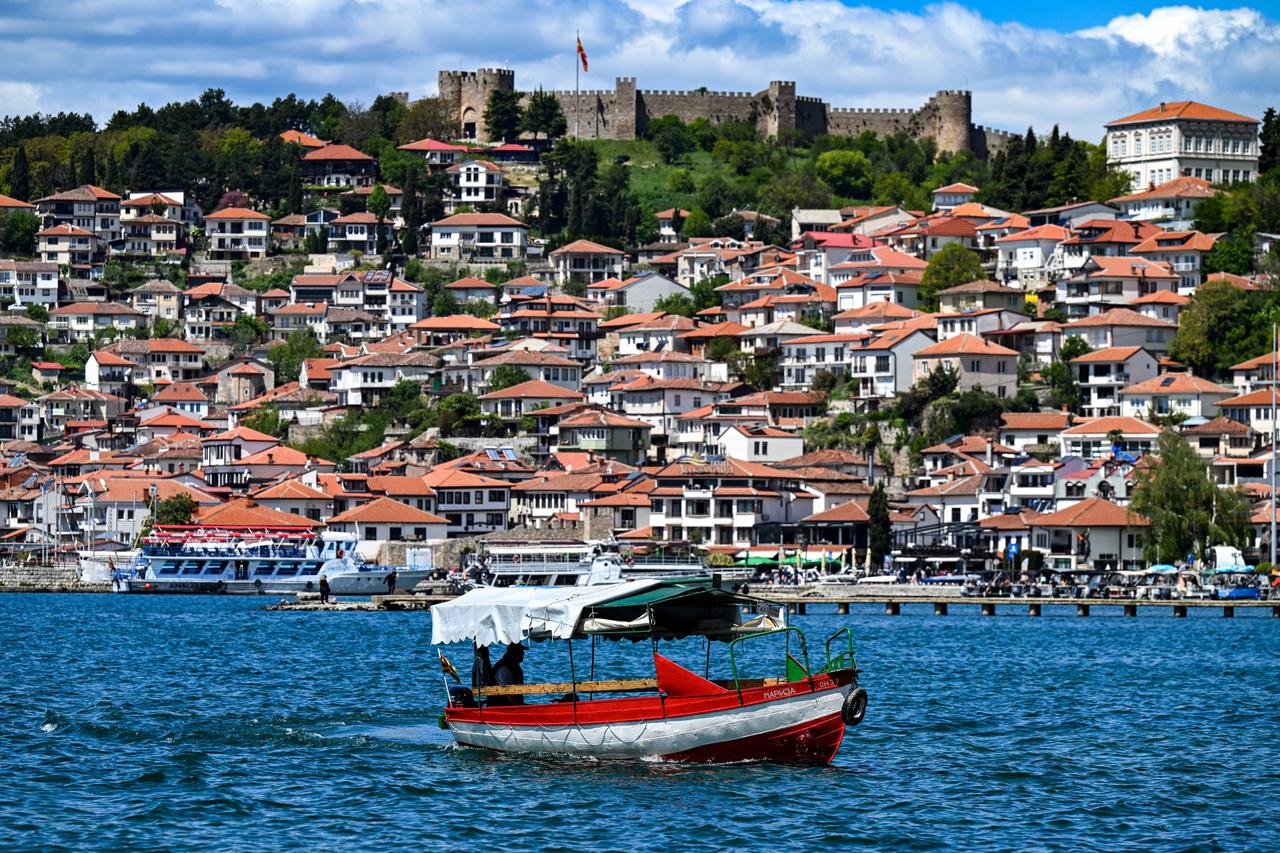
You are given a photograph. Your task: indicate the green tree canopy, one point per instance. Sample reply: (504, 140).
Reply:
(502, 115)
(287, 357)
(543, 116)
(952, 265)
(506, 376)
(1188, 513)
(1219, 328)
(179, 509)
(848, 173)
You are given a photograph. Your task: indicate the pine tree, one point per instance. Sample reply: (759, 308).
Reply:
(20, 175)
(294, 203)
(88, 167)
(71, 168)
(879, 535)
(502, 116)
(1269, 153)
(409, 210)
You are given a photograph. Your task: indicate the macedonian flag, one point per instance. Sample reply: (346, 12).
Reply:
(447, 667)
(582, 54)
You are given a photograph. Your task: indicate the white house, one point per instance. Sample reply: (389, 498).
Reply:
(978, 362)
(760, 444)
(587, 262)
(1029, 258)
(479, 238)
(1180, 138)
(1173, 394)
(237, 233)
(637, 294)
(386, 520)
(1101, 375)
(953, 195)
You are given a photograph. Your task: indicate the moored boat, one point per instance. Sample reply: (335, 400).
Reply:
(258, 560)
(674, 714)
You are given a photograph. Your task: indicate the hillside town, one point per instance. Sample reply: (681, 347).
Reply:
(862, 384)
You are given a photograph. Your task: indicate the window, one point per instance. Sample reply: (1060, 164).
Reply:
(393, 533)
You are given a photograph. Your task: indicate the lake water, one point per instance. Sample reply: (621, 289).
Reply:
(133, 722)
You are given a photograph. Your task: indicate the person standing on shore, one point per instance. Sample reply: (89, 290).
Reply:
(324, 590)
(391, 582)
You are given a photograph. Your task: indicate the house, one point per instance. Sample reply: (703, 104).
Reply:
(924, 238)
(1122, 327)
(297, 498)
(1181, 251)
(440, 331)
(1092, 533)
(1072, 214)
(1106, 237)
(771, 337)
(29, 283)
(336, 165)
(882, 365)
(872, 219)
(435, 152)
(876, 258)
(564, 320)
(13, 322)
(159, 360)
(476, 183)
(305, 140)
(1173, 394)
(479, 238)
(519, 400)
(760, 443)
(1173, 202)
(1029, 257)
(1184, 138)
(1102, 374)
(472, 289)
(1094, 439)
(817, 251)
(471, 503)
(289, 232)
(85, 208)
(366, 379)
(665, 364)
(1252, 409)
(639, 293)
(604, 434)
(980, 296)
(82, 321)
(183, 397)
(123, 505)
(151, 235)
(159, 299)
(586, 262)
(729, 502)
(385, 520)
(1103, 282)
(803, 358)
(664, 333)
(1223, 437)
(979, 321)
(69, 246)
(978, 363)
(670, 224)
(1161, 305)
(237, 233)
(543, 366)
(661, 402)
(1024, 431)
(355, 232)
(873, 287)
(395, 195)
(953, 195)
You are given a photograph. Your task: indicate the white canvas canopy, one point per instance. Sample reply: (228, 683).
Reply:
(499, 615)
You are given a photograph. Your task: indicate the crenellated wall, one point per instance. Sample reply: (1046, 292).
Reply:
(625, 111)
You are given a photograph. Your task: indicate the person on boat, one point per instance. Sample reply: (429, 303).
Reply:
(507, 672)
(324, 590)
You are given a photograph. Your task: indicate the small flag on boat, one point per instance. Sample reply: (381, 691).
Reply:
(582, 54)
(448, 668)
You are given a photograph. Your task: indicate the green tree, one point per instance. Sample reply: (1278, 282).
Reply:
(721, 349)
(88, 167)
(676, 303)
(379, 205)
(502, 115)
(680, 181)
(18, 231)
(1232, 253)
(543, 116)
(1269, 139)
(847, 172)
(410, 211)
(294, 203)
(23, 339)
(267, 420)
(287, 357)
(445, 305)
(1188, 513)
(671, 137)
(952, 265)
(20, 175)
(1219, 328)
(37, 312)
(879, 528)
(897, 188)
(179, 509)
(506, 376)
(162, 327)
(247, 332)
(698, 224)
(427, 118)
(1074, 347)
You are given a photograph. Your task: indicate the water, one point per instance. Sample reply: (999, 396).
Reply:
(207, 724)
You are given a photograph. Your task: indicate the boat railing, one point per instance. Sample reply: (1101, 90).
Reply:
(788, 631)
(843, 659)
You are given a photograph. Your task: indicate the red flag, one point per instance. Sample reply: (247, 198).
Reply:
(582, 54)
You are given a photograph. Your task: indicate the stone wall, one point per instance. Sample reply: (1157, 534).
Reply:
(625, 111)
(55, 578)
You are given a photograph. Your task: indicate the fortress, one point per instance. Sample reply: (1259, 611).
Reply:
(625, 111)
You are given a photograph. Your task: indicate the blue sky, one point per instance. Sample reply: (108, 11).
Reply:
(1078, 64)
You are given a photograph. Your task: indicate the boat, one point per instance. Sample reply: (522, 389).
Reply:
(256, 560)
(578, 563)
(670, 714)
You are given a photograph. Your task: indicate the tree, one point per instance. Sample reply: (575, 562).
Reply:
(879, 529)
(1188, 513)
(698, 224)
(18, 231)
(671, 137)
(1232, 253)
(445, 305)
(952, 265)
(847, 172)
(502, 115)
(897, 188)
(1074, 347)
(88, 167)
(179, 509)
(20, 175)
(543, 116)
(721, 349)
(23, 339)
(379, 205)
(287, 357)
(506, 376)
(247, 332)
(294, 203)
(427, 118)
(1219, 328)
(675, 303)
(37, 312)
(783, 193)
(409, 210)
(267, 420)
(1269, 150)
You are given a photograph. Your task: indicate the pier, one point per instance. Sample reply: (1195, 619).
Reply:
(893, 605)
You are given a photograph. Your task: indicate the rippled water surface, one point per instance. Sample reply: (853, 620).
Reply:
(209, 724)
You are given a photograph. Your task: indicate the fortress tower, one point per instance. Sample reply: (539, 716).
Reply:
(954, 115)
(467, 92)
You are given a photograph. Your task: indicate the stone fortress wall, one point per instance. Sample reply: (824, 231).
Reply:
(625, 111)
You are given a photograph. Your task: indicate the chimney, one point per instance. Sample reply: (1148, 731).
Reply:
(1162, 106)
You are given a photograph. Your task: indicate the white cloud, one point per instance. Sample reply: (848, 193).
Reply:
(100, 55)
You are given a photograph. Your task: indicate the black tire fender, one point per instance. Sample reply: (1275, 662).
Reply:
(855, 707)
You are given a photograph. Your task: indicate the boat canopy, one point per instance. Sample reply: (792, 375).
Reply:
(633, 609)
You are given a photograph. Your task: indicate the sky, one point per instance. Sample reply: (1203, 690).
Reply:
(1077, 64)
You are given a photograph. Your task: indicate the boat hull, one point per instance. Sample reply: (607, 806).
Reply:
(788, 723)
(369, 582)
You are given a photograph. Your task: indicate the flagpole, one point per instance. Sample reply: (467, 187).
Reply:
(577, 98)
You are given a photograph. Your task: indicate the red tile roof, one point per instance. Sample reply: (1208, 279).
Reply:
(335, 151)
(1093, 512)
(236, 213)
(386, 511)
(1171, 110)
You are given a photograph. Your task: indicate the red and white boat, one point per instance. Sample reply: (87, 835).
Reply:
(675, 714)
